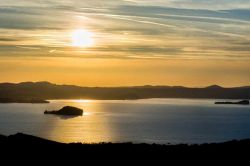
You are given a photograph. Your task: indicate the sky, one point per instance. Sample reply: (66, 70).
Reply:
(126, 42)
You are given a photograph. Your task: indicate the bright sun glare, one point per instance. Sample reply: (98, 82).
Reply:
(82, 38)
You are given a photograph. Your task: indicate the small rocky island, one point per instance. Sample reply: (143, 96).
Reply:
(67, 110)
(242, 102)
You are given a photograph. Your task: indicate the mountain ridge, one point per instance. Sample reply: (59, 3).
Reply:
(168, 86)
(46, 90)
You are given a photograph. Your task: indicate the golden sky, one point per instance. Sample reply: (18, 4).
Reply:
(121, 43)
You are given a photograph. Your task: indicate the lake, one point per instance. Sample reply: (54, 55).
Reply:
(148, 121)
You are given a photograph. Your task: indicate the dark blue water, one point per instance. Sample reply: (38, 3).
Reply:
(150, 121)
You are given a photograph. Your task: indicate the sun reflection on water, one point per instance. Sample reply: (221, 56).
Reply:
(86, 113)
(92, 127)
(82, 101)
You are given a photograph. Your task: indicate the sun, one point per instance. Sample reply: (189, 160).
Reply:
(82, 38)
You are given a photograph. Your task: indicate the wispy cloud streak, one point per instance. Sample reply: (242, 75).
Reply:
(127, 29)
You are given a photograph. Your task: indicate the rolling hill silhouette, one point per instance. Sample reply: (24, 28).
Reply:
(46, 90)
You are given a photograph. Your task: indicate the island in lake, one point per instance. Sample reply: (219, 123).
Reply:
(242, 102)
(67, 110)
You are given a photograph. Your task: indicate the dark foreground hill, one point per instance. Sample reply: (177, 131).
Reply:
(46, 90)
(42, 149)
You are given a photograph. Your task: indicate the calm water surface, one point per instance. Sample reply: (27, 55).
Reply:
(150, 121)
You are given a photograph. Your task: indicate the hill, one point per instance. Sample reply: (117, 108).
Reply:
(46, 90)
(27, 147)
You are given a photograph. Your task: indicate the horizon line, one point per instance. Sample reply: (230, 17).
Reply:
(127, 86)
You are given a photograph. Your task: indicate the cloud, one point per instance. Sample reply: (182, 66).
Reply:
(126, 29)
(195, 4)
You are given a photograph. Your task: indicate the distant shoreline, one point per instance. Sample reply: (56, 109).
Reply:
(47, 101)
(32, 101)
(28, 91)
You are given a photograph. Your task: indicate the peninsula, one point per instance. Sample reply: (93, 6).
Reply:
(32, 101)
(242, 102)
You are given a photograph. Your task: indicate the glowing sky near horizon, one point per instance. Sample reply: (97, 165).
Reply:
(125, 42)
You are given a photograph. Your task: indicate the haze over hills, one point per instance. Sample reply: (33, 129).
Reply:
(46, 90)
